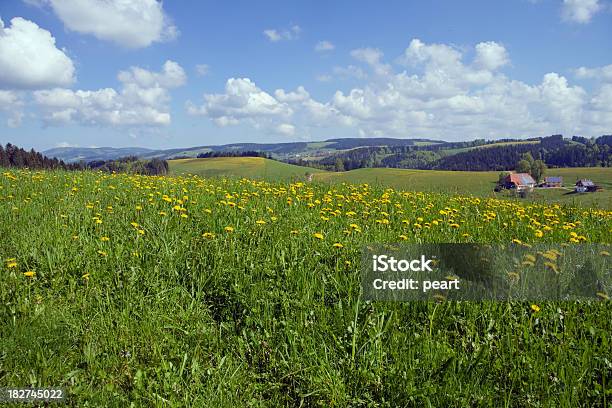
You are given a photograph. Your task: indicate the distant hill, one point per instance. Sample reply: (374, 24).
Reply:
(281, 151)
(354, 153)
(87, 154)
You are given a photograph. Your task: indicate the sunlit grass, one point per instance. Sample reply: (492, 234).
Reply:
(208, 292)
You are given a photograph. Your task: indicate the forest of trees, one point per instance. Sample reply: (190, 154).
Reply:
(242, 153)
(554, 151)
(132, 165)
(13, 156)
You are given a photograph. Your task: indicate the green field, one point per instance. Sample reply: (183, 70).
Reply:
(182, 291)
(460, 182)
(253, 167)
(482, 183)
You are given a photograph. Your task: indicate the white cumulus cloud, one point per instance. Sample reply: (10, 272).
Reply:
(11, 103)
(142, 101)
(580, 11)
(129, 23)
(491, 55)
(439, 95)
(599, 73)
(30, 59)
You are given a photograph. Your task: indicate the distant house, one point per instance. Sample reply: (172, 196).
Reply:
(519, 181)
(584, 185)
(553, 181)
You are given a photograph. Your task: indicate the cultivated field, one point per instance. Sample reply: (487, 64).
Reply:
(479, 183)
(185, 291)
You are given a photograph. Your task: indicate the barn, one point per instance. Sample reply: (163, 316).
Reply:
(585, 185)
(519, 181)
(553, 181)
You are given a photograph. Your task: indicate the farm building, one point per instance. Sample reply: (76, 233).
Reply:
(519, 181)
(553, 181)
(584, 185)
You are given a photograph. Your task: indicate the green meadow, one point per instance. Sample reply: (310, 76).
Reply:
(454, 182)
(186, 291)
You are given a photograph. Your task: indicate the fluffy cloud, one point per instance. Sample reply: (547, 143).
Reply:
(491, 55)
(580, 11)
(323, 46)
(242, 99)
(129, 23)
(600, 73)
(441, 94)
(244, 102)
(275, 35)
(29, 58)
(142, 101)
(11, 103)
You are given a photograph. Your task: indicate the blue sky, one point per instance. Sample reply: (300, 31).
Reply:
(184, 73)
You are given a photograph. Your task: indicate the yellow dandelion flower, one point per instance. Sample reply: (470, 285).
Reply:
(318, 235)
(551, 266)
(229, 229)
(184, 216)
(85, 276)
(539, 233)
(208, 235)
(162, 213)
(11, 264)
(105, 239)
(260, 222)
(294, 232)
(29, 274)
(604, 253)
(403, 237)
(134, 224)
(535, 308)
(338, 245)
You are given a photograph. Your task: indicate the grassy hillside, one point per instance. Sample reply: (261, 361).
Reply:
(251, 167)
(457, 182)
(480, 183)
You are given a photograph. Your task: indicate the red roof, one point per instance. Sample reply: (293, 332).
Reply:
(521, 179)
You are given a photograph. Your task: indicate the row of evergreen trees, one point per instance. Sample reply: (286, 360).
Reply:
(234, 153)
(13, 156)
(132, 165)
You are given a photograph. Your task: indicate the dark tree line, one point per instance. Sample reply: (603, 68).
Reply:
(13, 156)
(241, 153)
(132, 165)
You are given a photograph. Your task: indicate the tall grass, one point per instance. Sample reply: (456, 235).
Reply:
(221, 292)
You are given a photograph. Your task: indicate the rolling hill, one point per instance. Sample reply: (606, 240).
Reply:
(278, 150)
(250, 167)
(458, 182)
